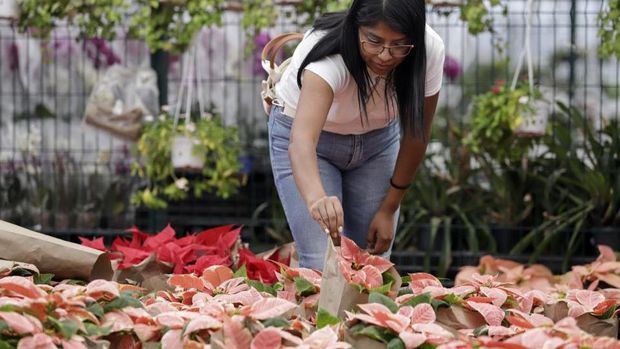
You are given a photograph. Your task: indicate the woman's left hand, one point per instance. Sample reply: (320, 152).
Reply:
(380, 233)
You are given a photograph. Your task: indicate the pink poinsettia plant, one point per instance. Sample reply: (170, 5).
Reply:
(360, 267)
(534, 277)
(399, 326)
(605, 269)
(580, 302)
(248, 302)
(300, 285)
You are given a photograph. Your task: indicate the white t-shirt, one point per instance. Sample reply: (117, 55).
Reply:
(344, 114)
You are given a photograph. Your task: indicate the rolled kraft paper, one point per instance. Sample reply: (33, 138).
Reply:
(66, 260)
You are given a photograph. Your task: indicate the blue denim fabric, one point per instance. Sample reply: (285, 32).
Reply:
(355, 168)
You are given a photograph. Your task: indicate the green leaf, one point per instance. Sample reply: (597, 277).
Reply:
(388, 278)
(609, 313)
(325, 318)
(358, 287)
(6, 345)
(381, 289)
(43, 279)
(96, 331)
(396, 343)
(261, 287)
(406, 279)
(481, 331)
(375, 332)
(422, 298)
(8, 308)
(276, 322)
(241, 272)
(122, 302)
(21, 272)
(439, 304)
(426, 346)
(383, 299)
(66, 327)
(304, 287)
(96, 309)
(453, 299)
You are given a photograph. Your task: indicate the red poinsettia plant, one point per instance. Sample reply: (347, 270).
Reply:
(192, 253)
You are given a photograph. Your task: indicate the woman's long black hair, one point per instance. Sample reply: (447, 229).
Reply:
(404, 16)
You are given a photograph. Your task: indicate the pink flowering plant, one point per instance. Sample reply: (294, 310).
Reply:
(367, 272)
(406, 326)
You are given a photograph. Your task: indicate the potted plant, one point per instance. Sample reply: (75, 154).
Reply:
(583, 171)
(9, 9)
(216, 145)
(495, 116)
(608, 30)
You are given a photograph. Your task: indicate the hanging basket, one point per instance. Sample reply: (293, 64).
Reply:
(183, 155)
(9, 9)
(534, 123)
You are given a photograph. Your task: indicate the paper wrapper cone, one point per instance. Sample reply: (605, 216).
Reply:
(363, 342)
(586, 322)
(282, 252)
(457, 318)
(66, 260)
(149, 274)
(336, 293)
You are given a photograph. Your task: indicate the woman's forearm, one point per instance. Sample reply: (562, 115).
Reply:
(411, 153)
(410, 156)
(306, 171)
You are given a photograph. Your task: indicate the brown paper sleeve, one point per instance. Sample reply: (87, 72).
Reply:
(337, 296)
(363, 342)
(66, 260)
(598, 327)
(150, 274)
(458, 318)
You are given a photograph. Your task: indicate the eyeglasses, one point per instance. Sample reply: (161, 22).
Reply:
(395, 51)
(374, 48)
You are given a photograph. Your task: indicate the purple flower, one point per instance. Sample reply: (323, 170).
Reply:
(13, 56)
(100, 53)
(451, 68)
(259, 42)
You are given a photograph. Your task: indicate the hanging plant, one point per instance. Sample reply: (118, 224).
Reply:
(496, 116)
(218, 148)
(171, 25)
(477, 14)
(95, 18)
(609, 28)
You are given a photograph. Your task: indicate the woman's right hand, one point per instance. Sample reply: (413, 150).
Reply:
(327, 211)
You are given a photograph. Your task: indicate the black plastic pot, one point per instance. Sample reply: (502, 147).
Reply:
(609, 236)
(507, 237)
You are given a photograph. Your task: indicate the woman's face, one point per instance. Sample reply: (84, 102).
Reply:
(382, 48)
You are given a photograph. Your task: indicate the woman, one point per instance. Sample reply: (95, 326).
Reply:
(334, 134)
